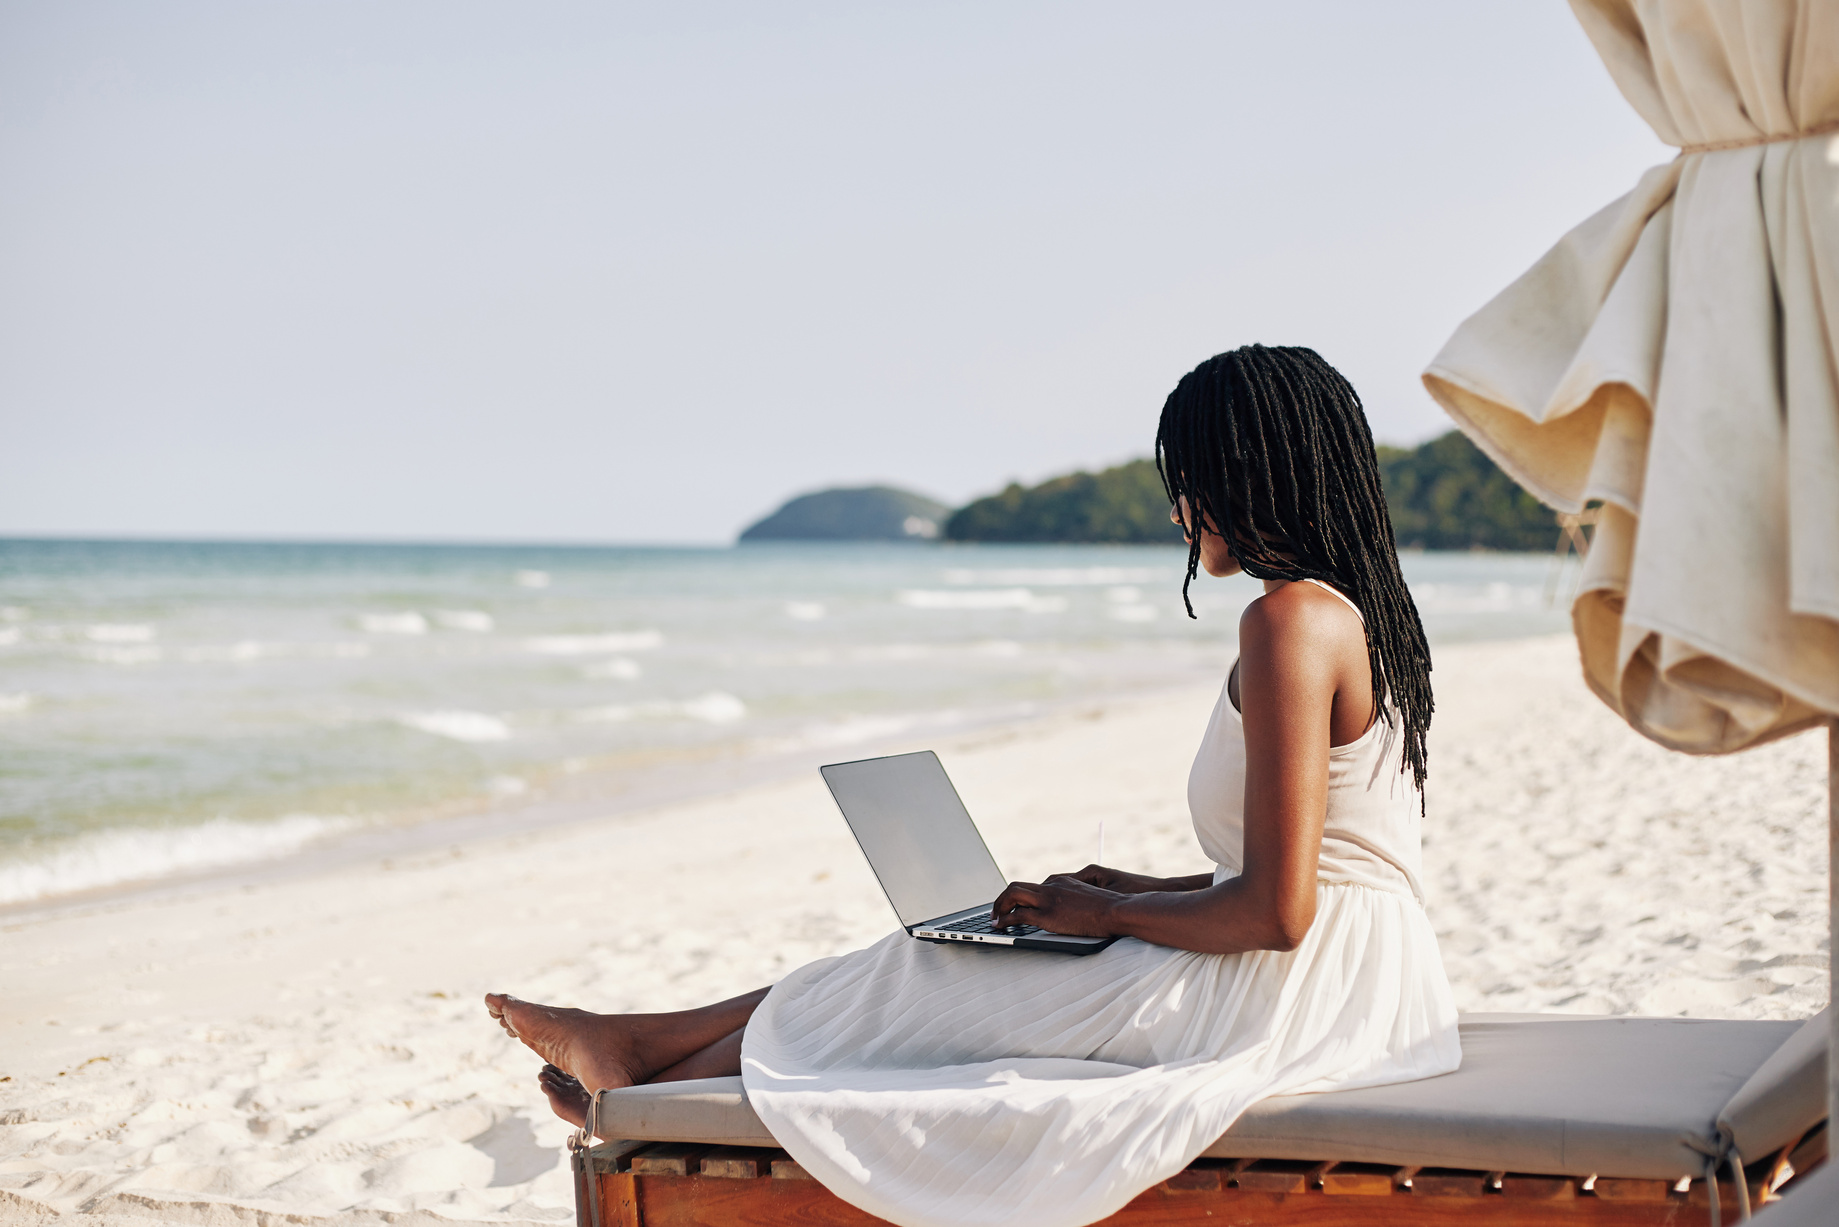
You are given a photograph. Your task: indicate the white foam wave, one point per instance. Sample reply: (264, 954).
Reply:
(472, 726)
(1132, 613)
(893, 652)
(1496, 597)
(120, 632)
(394, 624)
(618, 668)
(1059, 577)
(887, 653)
(852, 730)
(804, 611)
(716, 707)
(502, 786)
(109, 654)
(9, 635)
(245, 650)
(106, 858)
(531, 579)
(474, 620)
(594, 645)
(980, 598)
(13, 704)
(14, 613)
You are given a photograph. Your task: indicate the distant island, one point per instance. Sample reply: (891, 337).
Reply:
(1443, 495)
(862, 513)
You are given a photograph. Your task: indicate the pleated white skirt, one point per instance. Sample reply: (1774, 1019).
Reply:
(952, 1086)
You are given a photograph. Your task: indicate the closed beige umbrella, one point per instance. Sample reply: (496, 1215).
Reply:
(1676, 357)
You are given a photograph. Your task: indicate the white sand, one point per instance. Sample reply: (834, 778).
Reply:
(316, 1048)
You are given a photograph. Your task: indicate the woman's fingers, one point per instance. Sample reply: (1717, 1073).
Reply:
(1015, 895)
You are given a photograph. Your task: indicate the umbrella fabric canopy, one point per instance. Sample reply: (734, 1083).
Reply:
(1677, 357)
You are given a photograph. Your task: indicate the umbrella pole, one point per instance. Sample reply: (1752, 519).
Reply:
(1832, 940)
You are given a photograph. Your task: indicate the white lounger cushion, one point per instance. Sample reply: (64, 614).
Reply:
(1609, 1096)
(1567, 1096)
(712, 1110)
(1786, 1097)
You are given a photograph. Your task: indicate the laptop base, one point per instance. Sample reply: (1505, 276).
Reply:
(949, 930)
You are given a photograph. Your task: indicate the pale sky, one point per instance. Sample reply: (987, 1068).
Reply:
(605, 272)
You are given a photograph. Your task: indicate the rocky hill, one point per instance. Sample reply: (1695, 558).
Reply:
(863, 513)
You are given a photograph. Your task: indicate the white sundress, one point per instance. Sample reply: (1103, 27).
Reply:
(955, 1086)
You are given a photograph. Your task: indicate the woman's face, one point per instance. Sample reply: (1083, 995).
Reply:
(1215, 555)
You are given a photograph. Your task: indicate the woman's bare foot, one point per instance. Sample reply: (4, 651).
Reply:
(567, 1096)
(599, 1050)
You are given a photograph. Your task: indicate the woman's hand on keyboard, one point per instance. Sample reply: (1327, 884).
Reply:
(1062, 904)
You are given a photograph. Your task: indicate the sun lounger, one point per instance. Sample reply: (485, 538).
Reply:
(1551, 1119)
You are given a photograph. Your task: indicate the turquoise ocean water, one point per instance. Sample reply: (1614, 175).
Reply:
(167, 708)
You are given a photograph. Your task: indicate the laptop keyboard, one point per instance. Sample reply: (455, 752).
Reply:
(981, 924)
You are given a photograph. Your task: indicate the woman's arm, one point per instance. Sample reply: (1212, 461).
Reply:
(1125, 883)
(1294, 653)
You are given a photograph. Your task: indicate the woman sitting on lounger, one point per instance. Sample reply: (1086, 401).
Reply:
(961, 1085)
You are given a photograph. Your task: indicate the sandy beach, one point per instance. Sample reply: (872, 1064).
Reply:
(314, 1050)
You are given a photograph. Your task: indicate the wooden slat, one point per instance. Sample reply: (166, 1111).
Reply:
(668, 1159)
(1700, 1194)
(669, 1201)
(737, 1162)
(1360, 1180)
(638, 1200)
(672, 1201)
(1275, 1176)
(614, 1156)
(1621, 1189)
(1195, 1179)
(1448, 1182)
(789, 1169)
(1538, 1188)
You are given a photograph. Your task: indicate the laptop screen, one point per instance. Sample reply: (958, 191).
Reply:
(916, 833)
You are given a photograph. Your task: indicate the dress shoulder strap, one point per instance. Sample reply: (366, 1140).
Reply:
(1334, 591)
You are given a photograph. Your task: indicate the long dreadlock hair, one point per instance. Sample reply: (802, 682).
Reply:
(1270, 448)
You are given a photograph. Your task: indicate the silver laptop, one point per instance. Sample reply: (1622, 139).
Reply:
(926, 852)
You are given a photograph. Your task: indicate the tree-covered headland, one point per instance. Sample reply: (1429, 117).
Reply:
(1117, 506)
(1443, 495)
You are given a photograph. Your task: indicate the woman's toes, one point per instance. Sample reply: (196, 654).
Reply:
(559, 1078)
(498, 1005)
(568, 1099)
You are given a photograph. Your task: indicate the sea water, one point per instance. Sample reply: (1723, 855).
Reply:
(167, 708)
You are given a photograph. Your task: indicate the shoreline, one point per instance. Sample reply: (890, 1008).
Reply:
(311, 1048)
(605, 795)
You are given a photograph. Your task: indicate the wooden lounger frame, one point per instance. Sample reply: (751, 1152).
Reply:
(678, 1184)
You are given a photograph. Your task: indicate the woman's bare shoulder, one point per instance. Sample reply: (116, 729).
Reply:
(1300, 614)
